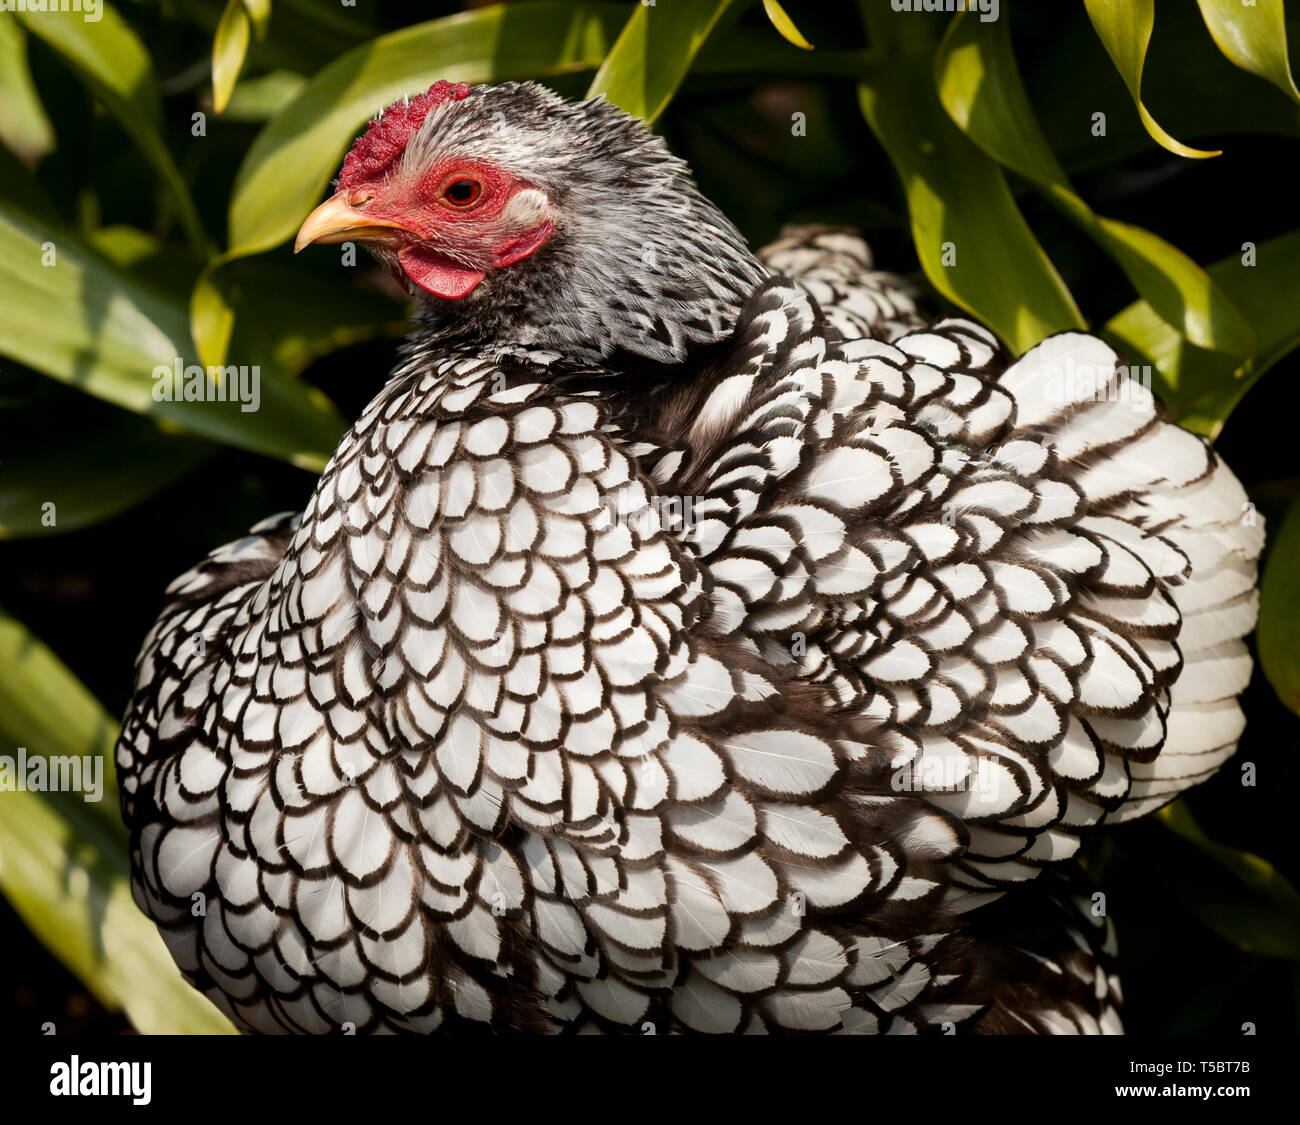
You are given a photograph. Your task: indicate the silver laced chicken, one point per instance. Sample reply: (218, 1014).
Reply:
(681, 640)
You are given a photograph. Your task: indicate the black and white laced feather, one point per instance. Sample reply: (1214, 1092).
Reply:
(732, 703)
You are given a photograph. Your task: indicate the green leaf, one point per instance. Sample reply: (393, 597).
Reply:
(980, 87)
(19, 189)
(294, 156)
(24, 128)
(63, 859)
(115, 65)
(104, 331)
(246, 303)
(962, 212)
(46, 709)
(785, 25)
(259, 11)
(1253, 37)
(212, 319)
(331, 309)
(1278, 636)
(1124, 27)
(653, 53)
(1182, 57)
(1200, 387)
(257, 99)
(120, 461)
(228, 50)
(1240, 896)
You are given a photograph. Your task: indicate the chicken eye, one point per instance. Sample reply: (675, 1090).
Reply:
(462, 193)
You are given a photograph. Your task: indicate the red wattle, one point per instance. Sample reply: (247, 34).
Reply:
(436, 273)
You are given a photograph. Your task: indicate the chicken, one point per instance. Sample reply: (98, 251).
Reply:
(681, 640)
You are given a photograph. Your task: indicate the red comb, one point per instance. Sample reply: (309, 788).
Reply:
(389, 133)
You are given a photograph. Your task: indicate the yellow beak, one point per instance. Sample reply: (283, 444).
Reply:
(337, 221)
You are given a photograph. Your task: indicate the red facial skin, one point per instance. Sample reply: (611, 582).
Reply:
(445, 246)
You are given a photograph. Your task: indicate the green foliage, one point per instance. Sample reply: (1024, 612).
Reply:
(146, 204)
(980, 87)
(63, 859)
(1279, 611)
(973, 242)
(1253, 36)
(1124, 27)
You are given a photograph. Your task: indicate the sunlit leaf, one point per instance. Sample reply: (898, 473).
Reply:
(45, 709)
(243, 306)
(979, 85)
(785, 25)
(63, 858)
(1253, 36)
(117, 69)
(1182, 57)
(24, 128)
(105, 331)
(973, 242)
(228, 50)
(1279, 611)
(331, 309)
(259, 11)
(654, 52)
(212, 320)
(1124, 27)
(1201, 387)
(257, 99)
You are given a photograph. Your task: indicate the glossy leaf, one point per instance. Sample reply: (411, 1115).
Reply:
(229, 48)
(260, 98)
(105, 331)
(1199, 387)
(1124, 27)
(1240, 896)
(1279, 611)
(212, 319)
(973, 243)
(1182, 56)
(24, 128)
(1253, 37)
(785, 25)
(46, 709)
(980, 87)
(332, 309)
(259, 11)
(653, 53)
(63, 858)
(117, 69)
(242, 306)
